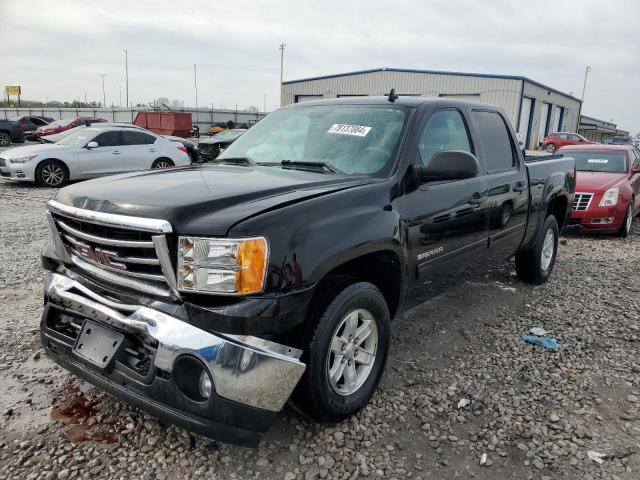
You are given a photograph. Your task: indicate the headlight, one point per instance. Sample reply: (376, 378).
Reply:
(222, 265)
(24, 159)
(610, 197)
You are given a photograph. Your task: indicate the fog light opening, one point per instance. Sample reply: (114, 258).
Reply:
(204, 385)
(192, 378)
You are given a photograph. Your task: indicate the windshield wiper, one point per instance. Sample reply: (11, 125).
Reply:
(234, 161)
(307, 165)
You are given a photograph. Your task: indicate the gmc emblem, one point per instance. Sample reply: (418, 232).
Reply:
(98, 255)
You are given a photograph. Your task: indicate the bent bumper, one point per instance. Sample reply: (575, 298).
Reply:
(252, 377)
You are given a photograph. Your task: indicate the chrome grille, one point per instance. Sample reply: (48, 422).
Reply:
(581, 201)
(123, 251)
(129, 251)
(3, 162)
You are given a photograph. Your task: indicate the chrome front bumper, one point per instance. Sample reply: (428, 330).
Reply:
(245, 369)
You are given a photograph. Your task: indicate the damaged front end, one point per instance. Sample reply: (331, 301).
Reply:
(148, 352)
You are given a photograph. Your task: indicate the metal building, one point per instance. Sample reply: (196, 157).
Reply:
(534, 109)
(598, 130)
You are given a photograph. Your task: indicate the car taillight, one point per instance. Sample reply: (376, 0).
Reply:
(20, 126)
(182, 148)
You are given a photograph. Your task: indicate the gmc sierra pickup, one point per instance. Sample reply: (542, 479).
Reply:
(211, 295)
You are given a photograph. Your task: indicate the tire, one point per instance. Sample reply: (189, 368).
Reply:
(504, 217)
(550, 148)
(535, 266)
(5, 139)
(627, 223)
(162, 163)
(327, 400)
(52, 173)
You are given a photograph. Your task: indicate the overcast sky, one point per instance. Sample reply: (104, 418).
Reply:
(56, 50)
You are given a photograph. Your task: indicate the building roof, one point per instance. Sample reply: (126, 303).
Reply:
(436, 72)
(603, 147)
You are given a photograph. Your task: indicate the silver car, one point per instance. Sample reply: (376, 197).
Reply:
(91, 152)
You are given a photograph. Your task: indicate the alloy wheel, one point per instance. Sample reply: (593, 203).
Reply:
(162, 164)
(352, 352)
(52, 174)
(547, 250)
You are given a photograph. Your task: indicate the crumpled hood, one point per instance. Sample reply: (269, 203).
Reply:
(205, 200)
(597, 181)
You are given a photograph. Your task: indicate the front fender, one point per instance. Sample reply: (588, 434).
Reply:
(310, 238)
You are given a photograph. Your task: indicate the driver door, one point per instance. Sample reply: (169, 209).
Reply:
(447, 221)
(105, 159)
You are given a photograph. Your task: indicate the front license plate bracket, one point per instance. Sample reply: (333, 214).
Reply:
(97, 344)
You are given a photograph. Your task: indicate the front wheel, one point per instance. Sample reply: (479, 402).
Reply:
(345, 351)
(550, 148)
(535, 265)
(625, 229)
(162, 163)
(52, 173)
(5, 139)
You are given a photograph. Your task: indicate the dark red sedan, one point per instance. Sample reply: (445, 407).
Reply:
(554, 141)
(66, 124)
(607, 186)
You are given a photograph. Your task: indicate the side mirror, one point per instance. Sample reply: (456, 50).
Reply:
(92, 145)
(448, 165)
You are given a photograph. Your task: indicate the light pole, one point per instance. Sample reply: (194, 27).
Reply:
(104, 95)
(120, 101)
(281, 47)
(195, 82)
(584, 89)
(126, 76)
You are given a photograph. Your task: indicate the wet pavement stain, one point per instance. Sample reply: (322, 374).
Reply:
(73, 409)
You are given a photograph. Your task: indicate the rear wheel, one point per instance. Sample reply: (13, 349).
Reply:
(5, 139)
(345, 350)
(625, 229)
(535, 266)
(52, 173)
(550, 148)
(162, 163)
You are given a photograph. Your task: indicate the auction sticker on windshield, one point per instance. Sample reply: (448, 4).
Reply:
(344, 129)
(598, 160)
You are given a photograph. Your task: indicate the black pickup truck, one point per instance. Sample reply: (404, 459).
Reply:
(10, 131)
(211, 295)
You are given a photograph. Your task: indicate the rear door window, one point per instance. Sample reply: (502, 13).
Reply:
(137, 138)
(498, 151)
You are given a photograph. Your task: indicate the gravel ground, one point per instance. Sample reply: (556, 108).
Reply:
(534, 414)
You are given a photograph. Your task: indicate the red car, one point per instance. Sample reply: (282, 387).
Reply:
(66, 124)
(556, 140)
(607, 186)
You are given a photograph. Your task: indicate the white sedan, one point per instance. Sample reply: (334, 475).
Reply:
(91, 152)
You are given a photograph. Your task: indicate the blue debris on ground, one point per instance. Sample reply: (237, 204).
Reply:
(546, 342)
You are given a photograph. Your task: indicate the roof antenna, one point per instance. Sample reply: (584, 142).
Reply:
(392, 95)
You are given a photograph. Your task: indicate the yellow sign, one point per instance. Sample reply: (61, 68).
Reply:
(12, 89)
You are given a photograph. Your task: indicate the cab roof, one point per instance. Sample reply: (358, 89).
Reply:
(402, 101)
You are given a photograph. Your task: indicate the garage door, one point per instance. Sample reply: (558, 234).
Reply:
(306, 98)
(525, 120)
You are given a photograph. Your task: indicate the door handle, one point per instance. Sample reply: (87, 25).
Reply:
(115, 153)
(476, 199)
(152, 150)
